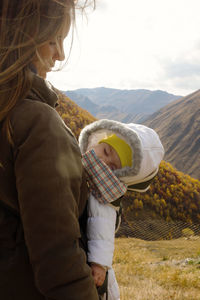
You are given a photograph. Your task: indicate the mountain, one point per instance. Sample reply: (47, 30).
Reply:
(83, 101)
(122, 105)
(178, 125)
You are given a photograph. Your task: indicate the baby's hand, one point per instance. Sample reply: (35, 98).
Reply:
(98, 273)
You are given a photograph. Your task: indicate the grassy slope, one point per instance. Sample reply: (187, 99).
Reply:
(149, 270)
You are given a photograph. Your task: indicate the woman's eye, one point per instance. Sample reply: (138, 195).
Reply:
(54, 43)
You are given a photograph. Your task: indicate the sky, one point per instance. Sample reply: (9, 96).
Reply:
(135, 44)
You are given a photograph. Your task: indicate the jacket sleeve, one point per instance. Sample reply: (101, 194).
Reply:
(100, 232)
(48, 179)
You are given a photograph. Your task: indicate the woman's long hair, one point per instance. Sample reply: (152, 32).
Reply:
(26, 25)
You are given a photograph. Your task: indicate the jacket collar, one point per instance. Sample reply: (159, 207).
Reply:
(42, 90)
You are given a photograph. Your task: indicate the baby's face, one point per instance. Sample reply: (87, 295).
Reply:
(108, 154)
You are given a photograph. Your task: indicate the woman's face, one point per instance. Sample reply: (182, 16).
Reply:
(50, 52)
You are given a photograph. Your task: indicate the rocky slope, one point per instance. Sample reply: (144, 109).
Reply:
(178, 125)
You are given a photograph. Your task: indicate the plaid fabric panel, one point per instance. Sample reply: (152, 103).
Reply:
(103, 183)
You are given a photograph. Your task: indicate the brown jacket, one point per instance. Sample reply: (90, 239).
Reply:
(42, 195)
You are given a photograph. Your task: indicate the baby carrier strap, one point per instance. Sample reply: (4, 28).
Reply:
(142, 186)
(118, 208)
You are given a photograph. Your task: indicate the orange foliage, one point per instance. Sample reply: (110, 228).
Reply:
(173, 195)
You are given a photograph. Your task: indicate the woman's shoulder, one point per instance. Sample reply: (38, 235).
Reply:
(29, 112)
(32, 117)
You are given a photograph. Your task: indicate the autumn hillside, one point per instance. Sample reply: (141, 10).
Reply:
(172, 195)
(74, 116)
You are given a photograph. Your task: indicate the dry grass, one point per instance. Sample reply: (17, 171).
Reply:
(149, 270)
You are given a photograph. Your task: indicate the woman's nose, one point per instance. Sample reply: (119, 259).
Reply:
(60, 55)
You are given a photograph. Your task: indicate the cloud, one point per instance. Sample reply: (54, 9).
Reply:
(101, 5)
(182, 69)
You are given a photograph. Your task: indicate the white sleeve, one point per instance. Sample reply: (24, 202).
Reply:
(100, 232)
(113, 288)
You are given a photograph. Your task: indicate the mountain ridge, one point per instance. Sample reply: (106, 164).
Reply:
(121, 105)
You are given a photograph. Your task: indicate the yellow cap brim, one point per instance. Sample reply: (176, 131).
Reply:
(123, 150)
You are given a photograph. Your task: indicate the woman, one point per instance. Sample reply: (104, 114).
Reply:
(42, 186)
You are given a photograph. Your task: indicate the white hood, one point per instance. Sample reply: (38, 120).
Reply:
(145, 144)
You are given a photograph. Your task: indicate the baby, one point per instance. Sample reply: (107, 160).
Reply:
(116, 156)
